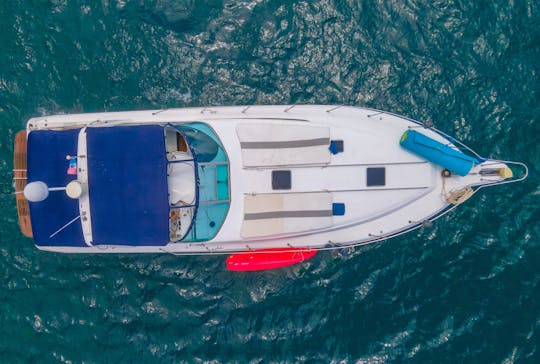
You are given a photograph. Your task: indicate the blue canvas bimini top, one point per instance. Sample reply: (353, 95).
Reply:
(127, 179)
(46, 162)
(127, 186)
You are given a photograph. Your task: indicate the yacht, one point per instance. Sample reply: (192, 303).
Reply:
(267, 185)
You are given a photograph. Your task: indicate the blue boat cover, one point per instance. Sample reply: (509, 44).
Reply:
(127, 178)
(46, 162)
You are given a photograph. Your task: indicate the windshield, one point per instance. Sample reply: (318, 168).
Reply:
(198, 182)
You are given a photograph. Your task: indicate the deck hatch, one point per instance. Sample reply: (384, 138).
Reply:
(338, 209)
(376, 176)
(336, 146)
(281, 180)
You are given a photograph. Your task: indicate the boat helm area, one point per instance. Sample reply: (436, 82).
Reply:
(198, 182)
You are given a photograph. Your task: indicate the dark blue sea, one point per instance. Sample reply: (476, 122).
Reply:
(466, 290)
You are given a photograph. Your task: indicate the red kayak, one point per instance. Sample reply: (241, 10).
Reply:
(268, 258)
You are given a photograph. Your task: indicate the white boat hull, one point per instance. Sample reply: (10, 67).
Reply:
(414, 191)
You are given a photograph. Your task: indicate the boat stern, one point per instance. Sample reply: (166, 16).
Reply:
(19, 182)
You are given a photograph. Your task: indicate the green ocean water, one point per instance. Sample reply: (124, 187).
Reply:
(466, 290)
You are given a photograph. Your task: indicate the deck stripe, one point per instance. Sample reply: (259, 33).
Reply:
(285, 144)
(283, 214)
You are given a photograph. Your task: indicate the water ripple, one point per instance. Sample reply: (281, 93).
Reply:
(465, 290)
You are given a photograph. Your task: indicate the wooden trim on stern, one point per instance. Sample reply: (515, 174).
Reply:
(19, 182)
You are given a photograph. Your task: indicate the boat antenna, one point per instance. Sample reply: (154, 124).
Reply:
(65, 226)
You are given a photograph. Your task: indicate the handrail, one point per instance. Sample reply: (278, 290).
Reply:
(506, 181)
